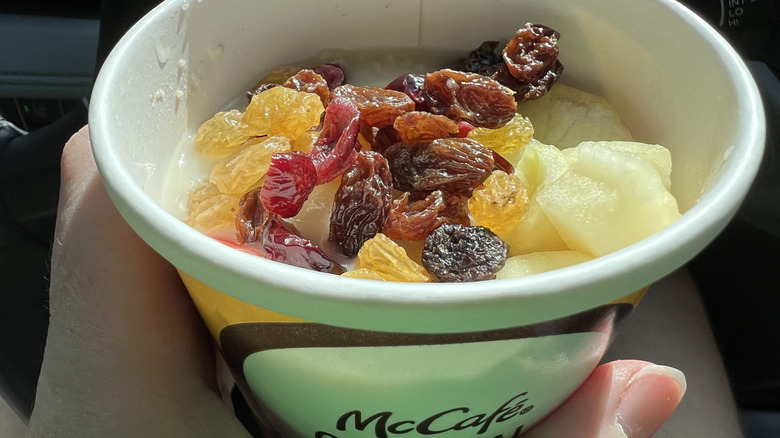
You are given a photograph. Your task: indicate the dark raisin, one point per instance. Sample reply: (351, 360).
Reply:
(310, 82)
(422, 127)
(453, 165)
(384, 138)
(456, 253)
(531, 59)
(477, 99)
(483, 60)
(336, 148)
(361, 203)
(378, 107)
(415, 220)
(282, 243)
(333, 74)
(289, 181)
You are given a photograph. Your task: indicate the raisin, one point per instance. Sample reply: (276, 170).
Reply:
(243, 170)
(282, 111)
(500, 202)
(378, 107)
(389, 261)
(282, 243)
(453, 165)
(415, 220)
(289, 181)
(361, 203)
(336, 148)
(384, 138)
(507, 139)
(411, 85)
(209, 210)
(221, 135)
(333, 74)
(310, 82)
(251, 218)
(456, 210)
(502, 164)
(457, 253)
(422, 127)
(260, 88)
(477, 99)
(531, 59)
(483, 60)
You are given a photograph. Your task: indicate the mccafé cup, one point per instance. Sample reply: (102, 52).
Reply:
(318, 355)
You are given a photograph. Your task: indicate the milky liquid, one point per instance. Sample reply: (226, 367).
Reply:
(375, 67)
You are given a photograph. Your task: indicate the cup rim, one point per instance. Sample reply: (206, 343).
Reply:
(610, 276)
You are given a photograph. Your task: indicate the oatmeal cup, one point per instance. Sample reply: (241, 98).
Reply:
(320, 355)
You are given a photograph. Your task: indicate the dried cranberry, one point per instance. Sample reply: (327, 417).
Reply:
(333, 74)
(411, 85)
(361, 202)
(453, 165)
(289, 181)
(337, 146)
(456, 253)
(282, 243)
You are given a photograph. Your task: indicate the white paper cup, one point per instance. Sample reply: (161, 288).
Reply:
(323, 356)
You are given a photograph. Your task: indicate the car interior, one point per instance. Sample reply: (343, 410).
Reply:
(53, 48)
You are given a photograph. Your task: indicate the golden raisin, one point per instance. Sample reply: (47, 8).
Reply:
(241, 171)
(363, 273)
(385, 257)
(507, 139)
(221, 135)
(500, 202)
(209, 210)
(282, 111)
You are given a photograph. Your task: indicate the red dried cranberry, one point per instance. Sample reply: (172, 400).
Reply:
(336, 148)
(289, 181)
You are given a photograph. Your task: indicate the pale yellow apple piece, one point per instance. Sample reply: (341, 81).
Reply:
(539, 165)
(566, 116)
(607, 199)
(538, 262)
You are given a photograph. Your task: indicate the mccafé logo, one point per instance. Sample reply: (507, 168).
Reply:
(456, 419)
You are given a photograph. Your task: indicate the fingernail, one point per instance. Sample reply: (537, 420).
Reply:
(651, 396)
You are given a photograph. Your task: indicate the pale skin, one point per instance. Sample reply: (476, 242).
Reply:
(127, 354)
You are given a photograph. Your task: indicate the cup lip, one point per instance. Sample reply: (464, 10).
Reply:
(633, 267)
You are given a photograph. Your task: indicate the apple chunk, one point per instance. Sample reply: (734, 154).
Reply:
(608, 198)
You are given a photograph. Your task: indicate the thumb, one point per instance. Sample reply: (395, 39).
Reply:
(621, 399)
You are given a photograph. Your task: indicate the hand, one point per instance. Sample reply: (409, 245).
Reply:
(127, 353)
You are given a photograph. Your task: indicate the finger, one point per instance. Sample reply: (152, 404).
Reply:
(621, 399)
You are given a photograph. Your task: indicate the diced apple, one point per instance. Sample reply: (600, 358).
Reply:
(539, 164)
(607, 199)
(566, 117)
(538, 262)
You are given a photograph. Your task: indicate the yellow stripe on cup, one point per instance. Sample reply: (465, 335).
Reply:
(220, 310)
